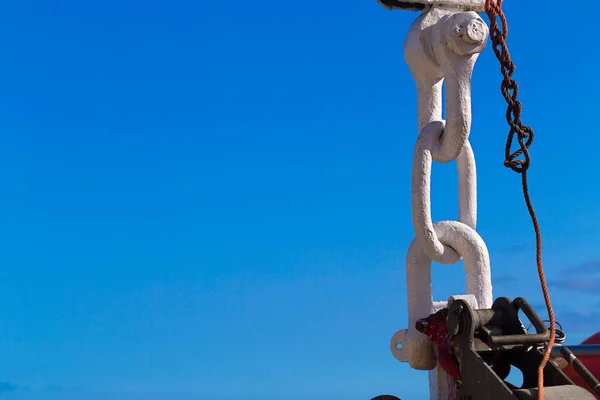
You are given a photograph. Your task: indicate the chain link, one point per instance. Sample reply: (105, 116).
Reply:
(421, 193)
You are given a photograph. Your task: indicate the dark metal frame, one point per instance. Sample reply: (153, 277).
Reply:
(401, 5)
(488, 343)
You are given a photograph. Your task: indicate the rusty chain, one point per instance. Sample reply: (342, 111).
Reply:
(510, 91)
(524, 136)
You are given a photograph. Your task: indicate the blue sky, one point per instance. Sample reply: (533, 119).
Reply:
(210, 200)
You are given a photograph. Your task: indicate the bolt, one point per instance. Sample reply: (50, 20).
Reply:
(474, 32)
(468, 34)
(458, 309)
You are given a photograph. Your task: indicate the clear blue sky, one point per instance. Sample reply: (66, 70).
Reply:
(210, 199)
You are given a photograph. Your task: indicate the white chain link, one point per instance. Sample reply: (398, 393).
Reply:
(421, 193)
(443, 44)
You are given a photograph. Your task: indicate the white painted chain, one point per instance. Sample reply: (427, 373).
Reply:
(442, 47)
(421, 193)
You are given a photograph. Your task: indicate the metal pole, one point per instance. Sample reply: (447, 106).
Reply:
(581, 369)
(584, 350)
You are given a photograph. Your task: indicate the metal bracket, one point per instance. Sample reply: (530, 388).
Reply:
(488, 343)
(418, 5)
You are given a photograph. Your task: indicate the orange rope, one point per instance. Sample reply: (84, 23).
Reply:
(524, 137)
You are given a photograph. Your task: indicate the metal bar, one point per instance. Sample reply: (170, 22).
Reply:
(535, 338)
(584, 350)
(476, 5)
(530, 313)
(581, 369)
